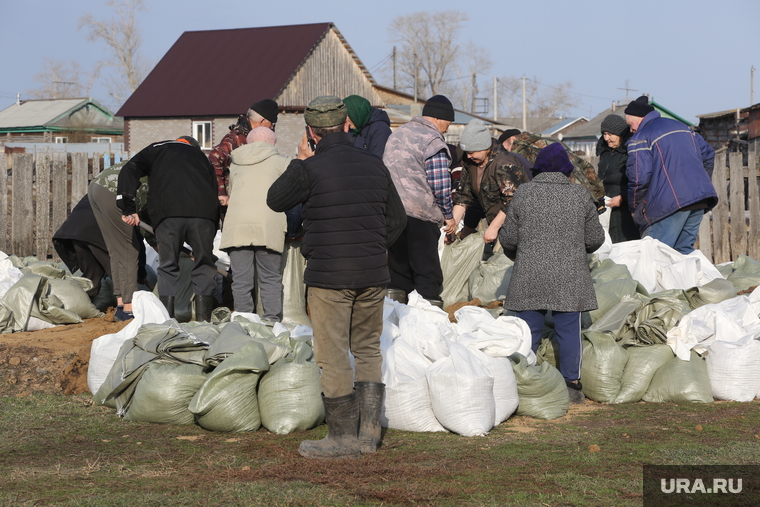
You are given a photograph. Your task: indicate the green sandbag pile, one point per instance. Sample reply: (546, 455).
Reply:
(602, 366)
(680, 381)
(227, 400)
(541, 389)
(643, 363)
(290, 393)
(712, 292)
(745, 273)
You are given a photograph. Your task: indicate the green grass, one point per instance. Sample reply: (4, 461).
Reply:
(62, 450)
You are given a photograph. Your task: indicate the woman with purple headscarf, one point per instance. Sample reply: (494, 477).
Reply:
(551, 226)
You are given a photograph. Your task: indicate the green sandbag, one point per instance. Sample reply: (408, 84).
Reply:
(712, 292)
(164, 392)
(48, 307)
(74, 298)
(227, 400)
(608, 270)
(548, 347)
(609, 293)
(489, 282)
(19, 301)
(746, 273)
(458, 261)
(290, 393)
(643, 363)
(602, 366)
(619, 320)
(678, 381)
(541, 389)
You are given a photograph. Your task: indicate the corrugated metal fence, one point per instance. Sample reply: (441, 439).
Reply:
(43, 187)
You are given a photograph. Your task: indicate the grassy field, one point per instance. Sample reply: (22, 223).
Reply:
(62, 450)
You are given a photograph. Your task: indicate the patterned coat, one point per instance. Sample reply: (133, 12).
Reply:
(551, 225)
(502, 175)
(220, 155)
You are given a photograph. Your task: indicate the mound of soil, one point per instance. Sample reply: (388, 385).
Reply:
(52, 360)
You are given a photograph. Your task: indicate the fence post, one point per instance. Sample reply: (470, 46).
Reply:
(42, 227)
(753, 194)
(4, 203)
(737, 216)
(60, 190)
(78, 177)
(22, 228)
(721, 244)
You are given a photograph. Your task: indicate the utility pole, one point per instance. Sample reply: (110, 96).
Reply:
(627, 90)
(495, 102)
(415, 79)
(394, 67)
(474, 93)
(525, 107)
(752, 86)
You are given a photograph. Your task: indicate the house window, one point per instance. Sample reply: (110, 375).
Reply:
(59, 140)
(101, 139)
(202, 132)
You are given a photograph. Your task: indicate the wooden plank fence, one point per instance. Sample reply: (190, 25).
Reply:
(44, 187)
(41, 189)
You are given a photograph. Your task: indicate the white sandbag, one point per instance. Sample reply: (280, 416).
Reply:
(421, 325)
(294, 301)
(9, 274)
(500, 337)
(505, 394)
(147, 309)
(407, 405)
(461, 392)
(734, 369)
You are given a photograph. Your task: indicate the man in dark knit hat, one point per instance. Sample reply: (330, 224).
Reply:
(669, 171)
(261, 114)
(351, 213)
(418, 159)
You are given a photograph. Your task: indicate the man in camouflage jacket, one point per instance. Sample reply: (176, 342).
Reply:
(490, 174)
(261, 114)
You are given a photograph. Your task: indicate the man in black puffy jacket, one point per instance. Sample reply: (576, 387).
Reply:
(183, 207)
(351, 213)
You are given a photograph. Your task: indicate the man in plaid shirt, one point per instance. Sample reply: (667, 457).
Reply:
(418, 159)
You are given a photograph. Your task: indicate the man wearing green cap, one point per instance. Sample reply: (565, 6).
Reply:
(351, 213)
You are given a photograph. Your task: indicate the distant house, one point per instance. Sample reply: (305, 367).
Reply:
(81, 120)
(724, 128)
(208, 78)
(585, 137)
(753, 128)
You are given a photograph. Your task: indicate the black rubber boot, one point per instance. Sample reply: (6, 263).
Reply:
(397, 295)
(574, 390)
(204, 305)
(342, 416)
(436, 302)
(370, 396)
(168, 302)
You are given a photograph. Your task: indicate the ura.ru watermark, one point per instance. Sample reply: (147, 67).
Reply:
(701, 485)
(714, 485)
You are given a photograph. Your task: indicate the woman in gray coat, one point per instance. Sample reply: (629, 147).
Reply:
(550, 228)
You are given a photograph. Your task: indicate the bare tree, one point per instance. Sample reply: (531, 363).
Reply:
(541, 100)
(62, 80)
(473, 60)
(428, 48)
(123, 39)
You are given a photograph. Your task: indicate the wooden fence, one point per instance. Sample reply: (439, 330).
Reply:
(43, 187)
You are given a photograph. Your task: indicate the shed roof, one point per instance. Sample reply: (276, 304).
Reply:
(221, 72)
(567, 122)
(57, 114)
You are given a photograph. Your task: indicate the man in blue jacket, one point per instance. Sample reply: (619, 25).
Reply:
(669, 171)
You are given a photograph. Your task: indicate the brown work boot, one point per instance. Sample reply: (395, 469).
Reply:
(342, 416)
(370, 396)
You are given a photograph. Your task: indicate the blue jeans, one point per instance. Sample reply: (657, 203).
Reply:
(678, 231)
(568, 328)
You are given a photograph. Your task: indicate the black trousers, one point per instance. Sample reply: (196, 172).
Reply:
(199, 233)
(413, 259)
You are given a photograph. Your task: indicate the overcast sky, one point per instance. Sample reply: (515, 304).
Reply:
(692, 56)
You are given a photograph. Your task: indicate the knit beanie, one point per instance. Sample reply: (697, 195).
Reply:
(553, 159)
(639, 107)
(267, 108)
(475, 137)
(325, 111)
(439, 107)
(507, 134)
(614, 124)
(359, 110)
(261, 134)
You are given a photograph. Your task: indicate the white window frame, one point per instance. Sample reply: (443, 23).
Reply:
(202, 133)
(61, 139)
(100, 140)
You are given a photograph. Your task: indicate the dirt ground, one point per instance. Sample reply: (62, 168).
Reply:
(52, 360)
